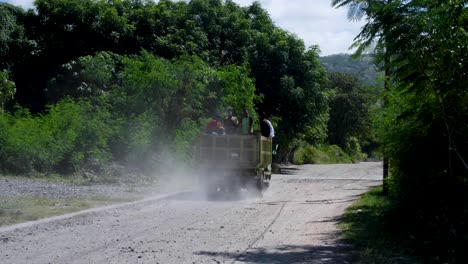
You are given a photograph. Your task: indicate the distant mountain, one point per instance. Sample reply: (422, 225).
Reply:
(361, 68)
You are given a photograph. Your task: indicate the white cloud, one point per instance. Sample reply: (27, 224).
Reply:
(26, 4)
(314, 21)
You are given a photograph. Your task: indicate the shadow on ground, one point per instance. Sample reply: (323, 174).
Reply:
(200, 195)
(325, 254)
(288, 170)
(243, 196)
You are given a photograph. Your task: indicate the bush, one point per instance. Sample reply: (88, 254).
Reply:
(184, 138)
(69, 136)
(322, 154)
(139, 138)
(25, 144)
(353, 148)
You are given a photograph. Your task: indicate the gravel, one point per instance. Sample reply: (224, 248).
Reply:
(27, 187)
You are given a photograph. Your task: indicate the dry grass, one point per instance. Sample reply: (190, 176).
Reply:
(19, 209)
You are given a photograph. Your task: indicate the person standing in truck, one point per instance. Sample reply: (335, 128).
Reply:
(231, 123)
(246, 123)
(266, 128)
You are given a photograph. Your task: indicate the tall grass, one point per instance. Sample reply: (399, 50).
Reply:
(376, 230)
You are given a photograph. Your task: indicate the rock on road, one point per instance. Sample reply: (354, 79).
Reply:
(294, 222)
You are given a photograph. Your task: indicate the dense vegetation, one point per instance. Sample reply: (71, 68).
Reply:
(100, 82)
(421, 46)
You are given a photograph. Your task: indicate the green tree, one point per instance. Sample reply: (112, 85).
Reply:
(424, 120)
(7, 89)
(291, 80)
(379, 15)
(87, 76)
(238, 88)
(16, 47)
(14, 44)
(224, 42)
(350, 114)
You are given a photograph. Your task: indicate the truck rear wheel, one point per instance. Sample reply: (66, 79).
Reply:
(260, 183)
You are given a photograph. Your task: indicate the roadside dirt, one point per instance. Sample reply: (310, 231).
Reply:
(295, 222)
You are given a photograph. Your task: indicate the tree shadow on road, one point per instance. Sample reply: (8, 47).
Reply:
(290, 254)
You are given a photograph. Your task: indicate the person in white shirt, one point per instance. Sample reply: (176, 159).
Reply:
(266, 128)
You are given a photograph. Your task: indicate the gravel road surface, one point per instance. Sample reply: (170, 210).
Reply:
(294, 222)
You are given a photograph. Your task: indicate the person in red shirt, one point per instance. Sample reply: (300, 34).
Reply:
(214, 126)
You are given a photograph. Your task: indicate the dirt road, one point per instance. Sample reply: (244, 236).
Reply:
(293, 223)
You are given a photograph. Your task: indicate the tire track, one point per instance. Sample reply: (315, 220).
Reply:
(261, 235)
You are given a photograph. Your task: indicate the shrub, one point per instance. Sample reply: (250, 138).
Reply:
(137, 138)
(25, 144)
(184, 138)
(68, 136)
(353, 148)
(322, 154)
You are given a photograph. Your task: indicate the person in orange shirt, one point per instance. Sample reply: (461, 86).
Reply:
(214, 126)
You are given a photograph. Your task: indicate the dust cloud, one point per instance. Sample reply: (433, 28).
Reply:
(193, 182)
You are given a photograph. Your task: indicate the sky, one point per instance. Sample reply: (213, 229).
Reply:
(314, 21)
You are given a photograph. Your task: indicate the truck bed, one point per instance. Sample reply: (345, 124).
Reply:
(233, 151)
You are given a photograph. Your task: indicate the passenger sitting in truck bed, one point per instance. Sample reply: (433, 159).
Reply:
(214, 126)
(231, 123)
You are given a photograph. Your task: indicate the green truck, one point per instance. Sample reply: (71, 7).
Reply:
(231, 163)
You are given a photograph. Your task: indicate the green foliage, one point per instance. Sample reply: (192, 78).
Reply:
(353, 149)
(71, 135)
(255, 58)
(294, 87)
(321, 154)
(14, 43)
(7, 89)
(184, 137)
(135, 139)
(140, 65)
(25, 144)
(422, 46)
(179, 95)
(87, 76)
(350, 113)
(238, 88)
(373, 224)
(170, 91)
(97, 130)
(139, 110)
(148, 84)
(63, 123)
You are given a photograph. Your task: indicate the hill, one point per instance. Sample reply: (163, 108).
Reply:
(361, 68)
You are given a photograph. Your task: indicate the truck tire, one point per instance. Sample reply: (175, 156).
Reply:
(260, 184)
